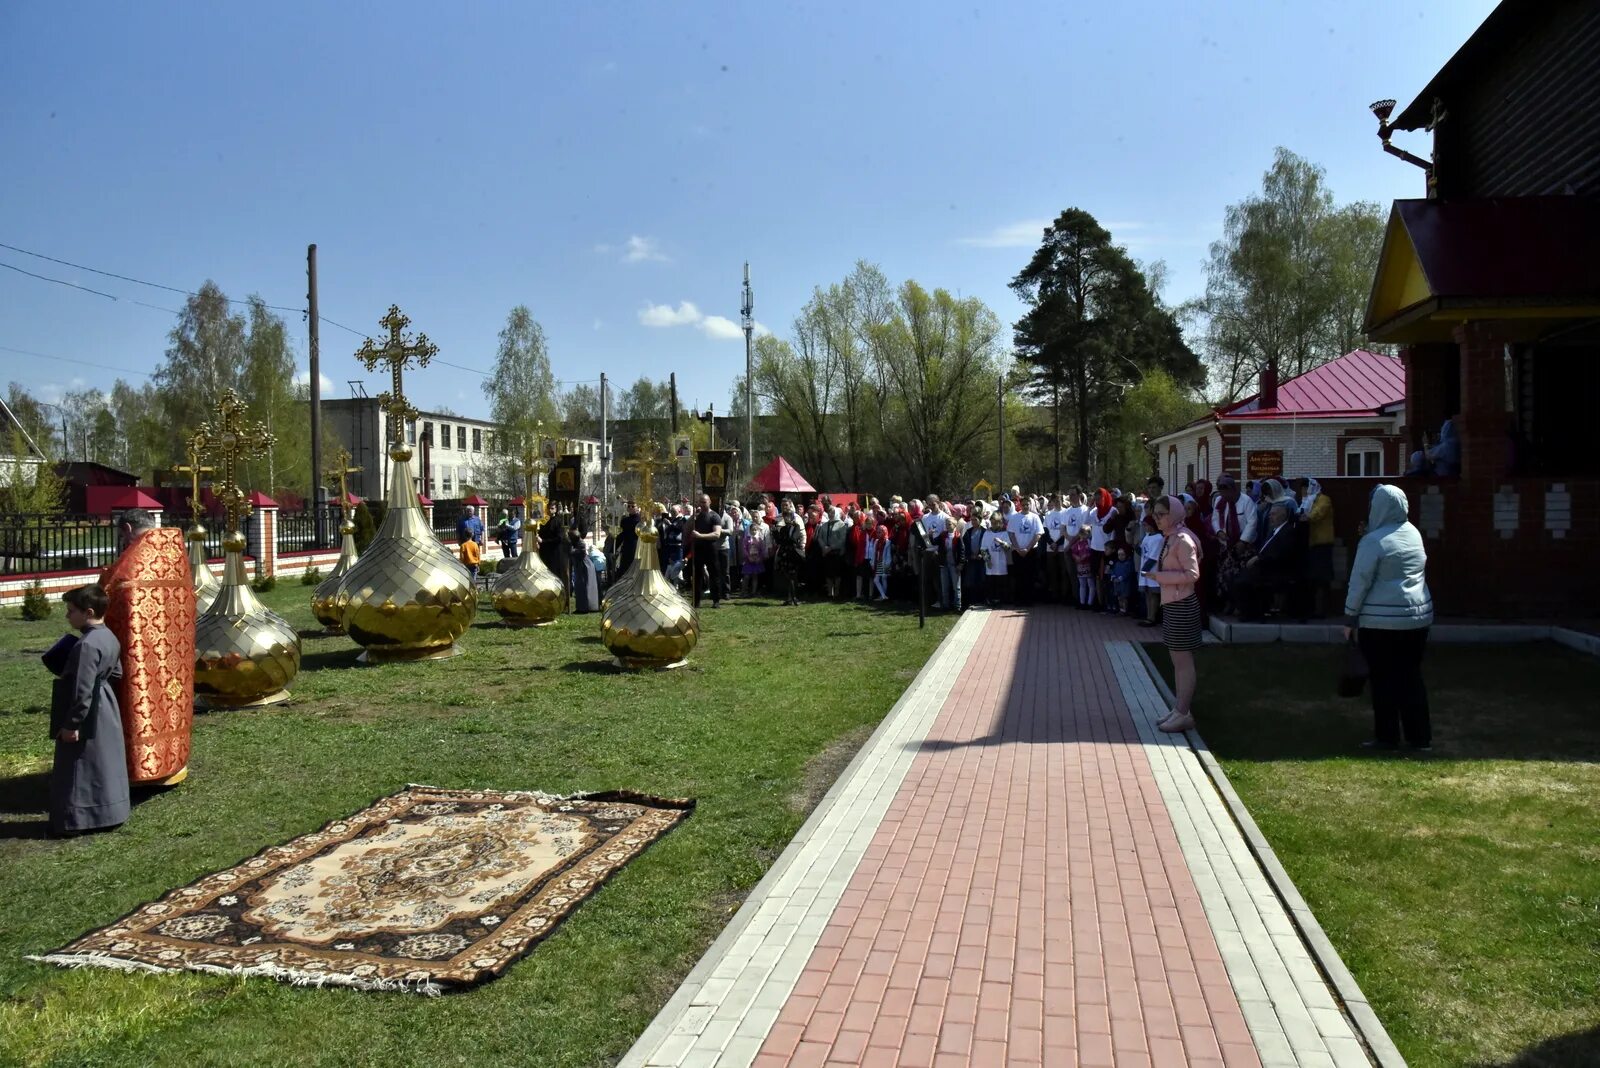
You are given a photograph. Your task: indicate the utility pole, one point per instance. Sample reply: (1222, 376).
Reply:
(605, 450)
(747, 310)
(677, 465)
(319, 498)
(1000, 400)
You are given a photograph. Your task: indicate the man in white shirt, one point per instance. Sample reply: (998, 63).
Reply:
(1025, 530)
(1235, 523)
(1055, 555)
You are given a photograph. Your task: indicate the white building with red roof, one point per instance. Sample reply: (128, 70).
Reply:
(1346, 417)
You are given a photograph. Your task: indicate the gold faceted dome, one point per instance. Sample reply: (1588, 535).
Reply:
(325, 598)
(408, 597)
(245, 654)
(206, 585)
(648, 624)
(527, 593)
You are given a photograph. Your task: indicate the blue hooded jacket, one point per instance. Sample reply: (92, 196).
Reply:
(1388, 583)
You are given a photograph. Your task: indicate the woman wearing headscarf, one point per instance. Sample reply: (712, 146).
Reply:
(833, 539)
(856, 554)
(972, 578)
(1177, 572)
(1445, 457)
(1316, 520)
(1198, 520)
(880, 553)
(753, 552)
(788, 551)
(1388, 611)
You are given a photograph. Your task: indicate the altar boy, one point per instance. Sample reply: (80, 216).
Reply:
(89, 782)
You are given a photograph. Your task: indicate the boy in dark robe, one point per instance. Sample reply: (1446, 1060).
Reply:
(89, 782)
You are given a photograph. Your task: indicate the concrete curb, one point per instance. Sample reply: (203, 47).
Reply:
(1236, 633)
(1365, 1021)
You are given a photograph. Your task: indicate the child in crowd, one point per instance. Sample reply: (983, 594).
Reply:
(1122, 579)
(1083, 565)
(1149, 559)
(996, 550)
(471, 557)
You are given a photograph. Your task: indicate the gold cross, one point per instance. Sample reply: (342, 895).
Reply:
(646, 458)
(231, 438)
(340, 469)
(196, 448)
(397, 352)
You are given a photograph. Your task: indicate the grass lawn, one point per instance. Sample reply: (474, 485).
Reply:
(772, 705)
(1462, 889)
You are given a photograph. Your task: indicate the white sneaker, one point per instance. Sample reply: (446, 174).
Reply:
(1176, 724)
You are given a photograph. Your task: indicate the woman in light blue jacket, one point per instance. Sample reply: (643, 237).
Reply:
(1389, 610)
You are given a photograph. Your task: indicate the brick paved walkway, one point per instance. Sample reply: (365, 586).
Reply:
(1016, 869)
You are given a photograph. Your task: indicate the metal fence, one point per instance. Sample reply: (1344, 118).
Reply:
(31, 542)
(297, 531)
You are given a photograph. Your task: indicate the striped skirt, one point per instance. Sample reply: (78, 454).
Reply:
(1180, 624)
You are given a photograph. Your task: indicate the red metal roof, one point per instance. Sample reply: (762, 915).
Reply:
(1357, 383)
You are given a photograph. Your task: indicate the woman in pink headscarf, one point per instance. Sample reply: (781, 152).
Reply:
(1177, 571)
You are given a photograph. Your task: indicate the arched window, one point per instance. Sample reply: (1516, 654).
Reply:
(1363, 457)
(1172, 468)
(1203, 464)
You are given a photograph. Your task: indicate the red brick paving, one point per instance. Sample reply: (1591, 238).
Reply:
(1025, 900)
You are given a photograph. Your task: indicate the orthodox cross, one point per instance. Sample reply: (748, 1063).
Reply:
(230, 438)
(646, 458)
(196, 448)
(397, 352)
(340, 470)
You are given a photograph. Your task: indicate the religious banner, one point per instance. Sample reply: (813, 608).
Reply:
(566, 481)
(716, 465)
(1264, 463)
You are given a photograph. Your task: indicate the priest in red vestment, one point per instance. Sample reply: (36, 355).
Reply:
(152, 613)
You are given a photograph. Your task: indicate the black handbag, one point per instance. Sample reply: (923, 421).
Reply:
(1353, 677)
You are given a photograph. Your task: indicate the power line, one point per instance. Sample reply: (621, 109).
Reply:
(85, 363)
(190, 293)
(122, 277)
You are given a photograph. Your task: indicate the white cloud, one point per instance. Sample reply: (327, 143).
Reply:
(302, 378)
(1022, 234)
(716, 327)
(720, 328)
(685, 314)
(641, 249)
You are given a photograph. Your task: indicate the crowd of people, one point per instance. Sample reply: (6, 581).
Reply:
(1265, 547)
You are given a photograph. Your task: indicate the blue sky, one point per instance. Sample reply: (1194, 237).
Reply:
(612, 165)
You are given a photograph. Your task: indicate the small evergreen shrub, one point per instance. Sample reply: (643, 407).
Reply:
(35, 603)
(265, 584)
(311, 576)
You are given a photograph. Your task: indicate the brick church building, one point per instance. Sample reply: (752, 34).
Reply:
(1490, 287)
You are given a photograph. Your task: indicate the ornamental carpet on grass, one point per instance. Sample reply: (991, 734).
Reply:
(427, 890)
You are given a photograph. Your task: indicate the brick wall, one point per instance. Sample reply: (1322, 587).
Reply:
(1202, 448)
(1513, 549)
(1315, 449)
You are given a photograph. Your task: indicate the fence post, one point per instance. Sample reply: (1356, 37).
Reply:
(261, 534)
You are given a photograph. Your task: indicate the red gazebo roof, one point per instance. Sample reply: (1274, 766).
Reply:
(261, 500)
(131, 497)
(424, 500)
(474, 500)
(780, 477)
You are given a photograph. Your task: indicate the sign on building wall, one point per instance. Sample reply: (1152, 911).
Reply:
(1264, 463)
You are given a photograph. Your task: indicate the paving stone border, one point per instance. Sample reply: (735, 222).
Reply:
(728, 1003)
(1378, 1046)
